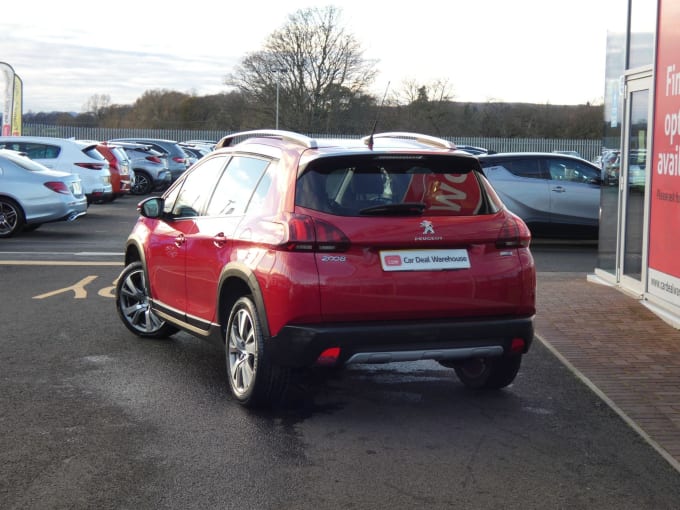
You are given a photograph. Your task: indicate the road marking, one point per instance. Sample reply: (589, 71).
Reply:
(77, 288)
(56, 263)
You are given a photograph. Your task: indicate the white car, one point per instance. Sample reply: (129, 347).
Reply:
(72, 156)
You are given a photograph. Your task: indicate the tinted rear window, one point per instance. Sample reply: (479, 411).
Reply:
(377, 185)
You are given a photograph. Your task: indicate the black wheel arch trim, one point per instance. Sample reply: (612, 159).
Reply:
(245, 274)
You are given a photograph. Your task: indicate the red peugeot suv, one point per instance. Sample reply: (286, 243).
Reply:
(292, 252)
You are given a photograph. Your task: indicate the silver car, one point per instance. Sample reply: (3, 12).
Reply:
(556, 195)
(32, 194)
(149, 167)
(178, 160)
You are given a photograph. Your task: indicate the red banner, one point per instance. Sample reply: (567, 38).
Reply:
(664, 223)
(7, 83)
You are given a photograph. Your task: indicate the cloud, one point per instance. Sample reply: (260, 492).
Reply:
(61, 77)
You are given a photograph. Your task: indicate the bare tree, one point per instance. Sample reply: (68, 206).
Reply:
(412, 91)
(312, 65)
(424, 106)
(97, 105)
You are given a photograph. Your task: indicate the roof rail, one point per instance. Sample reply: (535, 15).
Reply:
(425, 139)
(289, 136)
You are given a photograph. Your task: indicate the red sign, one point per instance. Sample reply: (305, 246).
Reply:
(664, 222)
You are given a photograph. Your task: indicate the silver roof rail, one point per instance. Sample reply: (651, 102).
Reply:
(289, 136)
(425, 139)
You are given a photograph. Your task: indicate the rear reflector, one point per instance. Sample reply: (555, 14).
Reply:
(517, 345)
(329, 356)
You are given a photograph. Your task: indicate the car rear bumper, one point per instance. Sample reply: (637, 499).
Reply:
(378, 342)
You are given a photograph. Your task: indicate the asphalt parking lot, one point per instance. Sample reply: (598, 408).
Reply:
(94, 417)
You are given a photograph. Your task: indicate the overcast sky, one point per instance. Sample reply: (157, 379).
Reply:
(516, 51)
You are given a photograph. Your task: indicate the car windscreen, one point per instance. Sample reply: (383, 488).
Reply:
(384, 185)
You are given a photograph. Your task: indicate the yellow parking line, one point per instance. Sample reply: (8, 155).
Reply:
(56, 263)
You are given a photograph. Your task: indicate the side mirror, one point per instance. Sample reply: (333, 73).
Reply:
(151, 207)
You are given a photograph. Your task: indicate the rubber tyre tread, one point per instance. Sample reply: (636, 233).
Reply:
(496, 374)
(136, 190)
(20, 220)
(271, 380)
(165, 331)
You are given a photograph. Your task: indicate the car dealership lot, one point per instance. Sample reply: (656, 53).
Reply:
(94, 417)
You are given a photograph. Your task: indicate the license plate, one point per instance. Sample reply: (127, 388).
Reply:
(424, 260)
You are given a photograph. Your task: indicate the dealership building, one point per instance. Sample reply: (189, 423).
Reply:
(639, 238)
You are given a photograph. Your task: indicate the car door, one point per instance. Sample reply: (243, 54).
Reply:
(171, 237)
(209, 246)
(574, 192)
(522, 184)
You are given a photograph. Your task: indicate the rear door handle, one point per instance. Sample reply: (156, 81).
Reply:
(558, 189)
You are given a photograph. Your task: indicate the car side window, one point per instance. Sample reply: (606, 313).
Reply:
(236, 186)
(39, 150)
(196, 187)
(571, 171)
(524, 167)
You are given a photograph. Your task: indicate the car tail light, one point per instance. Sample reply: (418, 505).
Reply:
(177, 159)
(154, 159)
(58, 187)
(91, 166)
(309, 234)
(514, 234)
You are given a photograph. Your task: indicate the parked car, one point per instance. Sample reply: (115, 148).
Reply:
(556, 195)
(291, 252)
(119, 166)
(196, 151)
(208, 145)
(178, 160)
(610, 163)
(32, 194)
(149, 168)
(471, 149)
(71, 156)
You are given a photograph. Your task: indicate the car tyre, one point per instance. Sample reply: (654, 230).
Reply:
(134, 306)
(11, 217)
(254, 380)
(143, 183)
(488, 373)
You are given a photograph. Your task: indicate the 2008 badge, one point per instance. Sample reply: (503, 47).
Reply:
(333, 258)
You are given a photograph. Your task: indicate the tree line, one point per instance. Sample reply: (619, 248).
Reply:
(232, 112)
(311, 77)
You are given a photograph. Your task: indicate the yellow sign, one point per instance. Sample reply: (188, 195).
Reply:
(17, 111)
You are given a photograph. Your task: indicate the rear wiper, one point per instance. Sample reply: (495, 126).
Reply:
(405, 209)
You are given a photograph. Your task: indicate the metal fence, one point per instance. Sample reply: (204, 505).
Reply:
(588, 149)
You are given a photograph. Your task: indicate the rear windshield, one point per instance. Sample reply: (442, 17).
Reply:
(393, 185)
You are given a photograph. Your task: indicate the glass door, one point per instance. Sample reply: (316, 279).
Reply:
(633, 183)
